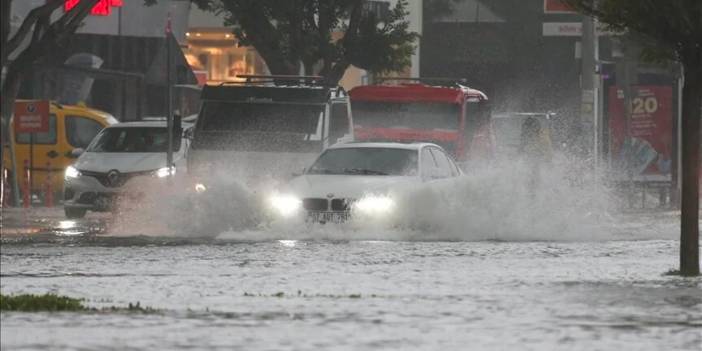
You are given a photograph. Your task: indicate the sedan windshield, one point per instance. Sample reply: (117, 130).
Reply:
(423, 116)
(366, 161)
(133, 139)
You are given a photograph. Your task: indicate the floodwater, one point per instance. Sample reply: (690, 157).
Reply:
(505, 269)
(227, 293)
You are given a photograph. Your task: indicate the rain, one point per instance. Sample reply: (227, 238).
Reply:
(350, 175)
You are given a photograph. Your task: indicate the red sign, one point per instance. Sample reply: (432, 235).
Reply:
(557, 6)
(31, 117)
(642, 143)
(101, 8)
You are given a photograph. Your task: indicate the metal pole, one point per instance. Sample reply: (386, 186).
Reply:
(678, 156)
(119, 21)
(587, 84)
(169, 99)
(13, 158)
(31, 165)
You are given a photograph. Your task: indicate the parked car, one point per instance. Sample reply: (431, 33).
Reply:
(356, 178)
(122, 155)
(70, 127)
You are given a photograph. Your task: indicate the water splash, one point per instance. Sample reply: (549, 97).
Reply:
(497, 202)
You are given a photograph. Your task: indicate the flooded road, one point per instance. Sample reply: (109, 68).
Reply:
(237, 292)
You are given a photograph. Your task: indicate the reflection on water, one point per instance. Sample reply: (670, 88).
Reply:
(320, 294)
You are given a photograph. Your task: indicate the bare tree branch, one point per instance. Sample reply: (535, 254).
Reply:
(34, 15)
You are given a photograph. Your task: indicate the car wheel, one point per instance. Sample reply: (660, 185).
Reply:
(74, 213)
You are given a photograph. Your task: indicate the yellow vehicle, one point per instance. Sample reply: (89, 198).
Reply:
(70, 127)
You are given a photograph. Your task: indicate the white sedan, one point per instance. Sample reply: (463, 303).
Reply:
(358, 179)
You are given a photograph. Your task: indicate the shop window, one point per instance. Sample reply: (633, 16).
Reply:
(237, 65)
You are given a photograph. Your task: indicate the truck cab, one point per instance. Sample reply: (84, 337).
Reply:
(416, 110)
(267, 127)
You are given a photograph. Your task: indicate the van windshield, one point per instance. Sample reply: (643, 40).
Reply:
(412, 115)
(133, 139)
(261, 117)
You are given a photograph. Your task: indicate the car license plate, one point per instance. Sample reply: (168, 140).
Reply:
(327, 217)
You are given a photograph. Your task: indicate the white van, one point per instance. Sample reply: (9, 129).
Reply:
(119, 157)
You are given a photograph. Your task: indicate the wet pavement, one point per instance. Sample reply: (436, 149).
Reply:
(253, 291)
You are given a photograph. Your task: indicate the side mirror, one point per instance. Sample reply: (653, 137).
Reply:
(75, 153)
(297, 174)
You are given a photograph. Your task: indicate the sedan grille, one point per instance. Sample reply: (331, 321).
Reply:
(341, 204)
(113, 179)
(315, 204)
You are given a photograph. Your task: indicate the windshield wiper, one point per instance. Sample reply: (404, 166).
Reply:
(363, 171)
(321, 171)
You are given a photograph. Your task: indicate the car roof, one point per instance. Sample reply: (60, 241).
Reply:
(521, 114)
(151, 123)
(383, 145)
(139, 124)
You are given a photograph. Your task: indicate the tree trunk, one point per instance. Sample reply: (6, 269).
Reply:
(691, 115)
(10, 88)
(5, 15)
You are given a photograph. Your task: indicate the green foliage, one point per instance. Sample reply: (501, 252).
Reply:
(293, 32)
(386, 43)
(667, 29)
(37, 303)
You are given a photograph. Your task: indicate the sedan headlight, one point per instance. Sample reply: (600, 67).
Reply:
(375, 205)
(285, 205)
(165, 172)
(71, 172)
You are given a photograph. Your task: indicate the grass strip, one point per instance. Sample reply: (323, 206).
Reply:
(57, 303)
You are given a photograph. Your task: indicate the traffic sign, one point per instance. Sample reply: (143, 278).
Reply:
(32, 116)
(562, 29)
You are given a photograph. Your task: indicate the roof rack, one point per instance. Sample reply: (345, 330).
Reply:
(278, 79)
(441, 81)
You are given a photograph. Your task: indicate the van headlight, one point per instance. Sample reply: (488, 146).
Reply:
(375, 205)
(71, 172)
(165, 172)
(200, 188)
(285, 205)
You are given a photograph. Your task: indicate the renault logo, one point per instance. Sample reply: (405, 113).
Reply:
(113, 177)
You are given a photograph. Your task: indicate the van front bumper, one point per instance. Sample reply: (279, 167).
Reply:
(86, 192)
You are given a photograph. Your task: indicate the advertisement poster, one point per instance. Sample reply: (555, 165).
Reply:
(641, 146)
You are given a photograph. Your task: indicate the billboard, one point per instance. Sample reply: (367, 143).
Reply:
(641, 146)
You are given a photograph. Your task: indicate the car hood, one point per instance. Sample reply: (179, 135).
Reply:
(124, 162)
(345, 186)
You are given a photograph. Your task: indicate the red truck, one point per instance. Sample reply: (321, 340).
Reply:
(451, 115)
